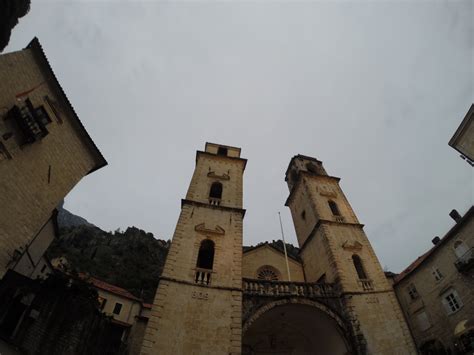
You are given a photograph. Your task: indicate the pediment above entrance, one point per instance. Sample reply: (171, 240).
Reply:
(224, 176)
(201, 228)
(352, 246)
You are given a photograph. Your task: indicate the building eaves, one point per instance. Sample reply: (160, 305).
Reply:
(468, 119)
(37, 49)
(105, 286)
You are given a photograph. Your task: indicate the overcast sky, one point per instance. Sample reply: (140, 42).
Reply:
(373, 89)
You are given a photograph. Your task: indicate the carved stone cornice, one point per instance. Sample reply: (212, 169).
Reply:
(352, 246)
(213, 175)
(201, 228)
(318, 224)
(215, 207)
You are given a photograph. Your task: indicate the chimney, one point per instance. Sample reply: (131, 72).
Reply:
(455, 215)
(435, 240)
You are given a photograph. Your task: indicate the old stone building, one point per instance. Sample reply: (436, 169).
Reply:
(129, 314)
(463, 138)
(44, 152)
(436, 291)
(214, 299)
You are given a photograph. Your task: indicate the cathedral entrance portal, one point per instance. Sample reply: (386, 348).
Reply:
(286, 327)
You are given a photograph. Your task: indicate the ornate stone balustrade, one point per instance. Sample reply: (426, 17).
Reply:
(203, 276)
(214, 201)
(366, 284)
(253, 287)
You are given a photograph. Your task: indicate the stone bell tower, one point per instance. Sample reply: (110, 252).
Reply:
(198, 304)
(334, 248)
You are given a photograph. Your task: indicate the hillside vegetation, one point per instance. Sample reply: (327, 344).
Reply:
(132, 259)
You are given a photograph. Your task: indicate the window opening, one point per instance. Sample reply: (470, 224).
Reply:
(452, 302)
(334, 208)
(205, 258)
(222, 151)
(312, 168)
(303, 215)
(117, 308)
(102, 302)
(216, 190)
(268, 273)
(412, 292)
(359, 268)
(436, 274)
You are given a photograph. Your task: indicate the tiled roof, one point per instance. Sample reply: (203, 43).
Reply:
(414, 265)
(109, 287)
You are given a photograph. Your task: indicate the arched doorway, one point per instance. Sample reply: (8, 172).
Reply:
(295, 327)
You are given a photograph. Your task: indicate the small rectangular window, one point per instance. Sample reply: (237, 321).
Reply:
(222, 151)
(117, 308)
(412, 292)
(303, 215)
(451, 301)
(436, 273)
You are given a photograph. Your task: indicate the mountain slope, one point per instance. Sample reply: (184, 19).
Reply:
(133, 259)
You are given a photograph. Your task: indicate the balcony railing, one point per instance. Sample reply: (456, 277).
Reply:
(466, 261)
(366, 284)
(203, 276)
(32, 122)
(214, 201)
(286, 288)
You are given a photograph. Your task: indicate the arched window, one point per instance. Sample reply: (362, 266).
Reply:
(268, 273)
(205, 258)
(216, 190)
(359, 267)
(334, 208)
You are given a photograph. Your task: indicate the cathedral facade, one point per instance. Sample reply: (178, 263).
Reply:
(216, 298)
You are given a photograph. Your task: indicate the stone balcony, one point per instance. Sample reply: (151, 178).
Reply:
(465, 262)
(265, 288)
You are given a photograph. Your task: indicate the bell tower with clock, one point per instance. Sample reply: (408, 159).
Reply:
(334, 248)
(198, 303)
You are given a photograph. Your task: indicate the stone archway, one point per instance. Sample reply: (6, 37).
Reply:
(295, 326)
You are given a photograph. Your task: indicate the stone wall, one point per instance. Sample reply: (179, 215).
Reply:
(254, 259)
(35, 177)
